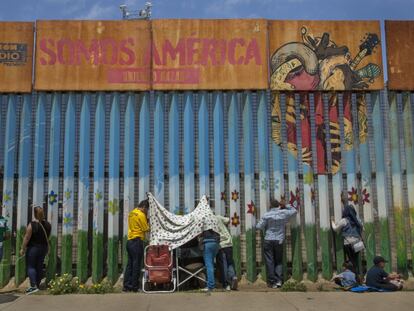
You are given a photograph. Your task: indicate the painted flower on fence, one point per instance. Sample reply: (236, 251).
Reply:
(67, 220)
(365, 196)
(98, 196)
(264, 184)
(6, 196)
(235, 195)
(67, 194)
(52, 198)
(353, 195)
(308, 178)
(295, 198)
(251, 209)
(113, 206)
(235, 220)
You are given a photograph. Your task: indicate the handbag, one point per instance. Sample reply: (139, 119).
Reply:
(358, 246)
(46, 261)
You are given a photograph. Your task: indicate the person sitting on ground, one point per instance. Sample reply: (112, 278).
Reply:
(378, 278)
(137, 228)
(347, 277)
(273, 223)
(225, 255)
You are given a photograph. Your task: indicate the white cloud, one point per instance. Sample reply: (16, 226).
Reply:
(101, 11)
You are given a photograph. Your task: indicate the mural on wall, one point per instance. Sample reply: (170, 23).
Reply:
(16, 50)
(309, 56)
(400, 63)
(321, 135)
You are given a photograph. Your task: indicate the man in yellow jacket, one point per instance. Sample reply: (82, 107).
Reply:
(137, 227)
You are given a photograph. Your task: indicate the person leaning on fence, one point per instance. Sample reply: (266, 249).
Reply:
(273, 223)
(225, 255)
(35, 246)
(350, 227)
(210, 241)
(137, 228)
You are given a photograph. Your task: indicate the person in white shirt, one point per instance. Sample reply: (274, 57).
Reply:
(225, 255)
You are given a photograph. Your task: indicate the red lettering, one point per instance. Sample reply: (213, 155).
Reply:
(109, 49)
(192, 50)
(94, 49)
(70, 52)
(49, 52)
(127, 51)
(81, 50)
(168, 49)
(232, 51)
(253, 51)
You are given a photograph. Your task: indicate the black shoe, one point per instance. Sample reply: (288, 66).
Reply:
(126, 289)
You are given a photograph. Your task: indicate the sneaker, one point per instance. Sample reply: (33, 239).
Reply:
(274, 286)
(279, 284)
(228, 288)
(234, 283)
(205, 289)
(31, 290)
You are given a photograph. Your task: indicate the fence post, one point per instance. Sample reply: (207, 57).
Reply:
(188, 154)
(249, 188)
(83, 189)
(397, 195)
(159, 150)
(98, 200)
(113, 193)
(409, 154)
(308, 189)
(53, 183)
(68, 185)
(218, 134)
(234, 180)
(174, 156)
(325, 233)
(263, 153)
(23, 185)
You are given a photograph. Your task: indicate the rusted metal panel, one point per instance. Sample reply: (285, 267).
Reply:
(325, 55)
(209, 54)
(400, 61)
(93, 55)
(16, 51)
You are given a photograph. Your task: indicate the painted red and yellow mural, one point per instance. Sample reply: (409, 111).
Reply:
(325, 55)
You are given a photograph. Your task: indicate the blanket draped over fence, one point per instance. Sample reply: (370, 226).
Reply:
(176, 230)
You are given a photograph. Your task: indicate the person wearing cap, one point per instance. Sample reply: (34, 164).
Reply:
(378, 278)
(273, 223)
(350, 227)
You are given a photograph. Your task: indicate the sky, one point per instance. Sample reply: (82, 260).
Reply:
(27, 10)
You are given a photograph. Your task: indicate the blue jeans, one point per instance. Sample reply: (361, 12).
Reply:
(35, 256)
(135, 251)
(226, 265)
(210, 252)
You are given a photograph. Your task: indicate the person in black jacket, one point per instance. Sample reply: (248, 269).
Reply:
(35, 247)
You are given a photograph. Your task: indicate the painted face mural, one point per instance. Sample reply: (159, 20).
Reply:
(319, 63)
